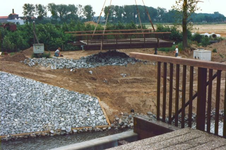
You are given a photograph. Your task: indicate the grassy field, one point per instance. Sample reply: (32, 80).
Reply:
(207, 28)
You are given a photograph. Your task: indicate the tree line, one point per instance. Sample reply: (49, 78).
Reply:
(124, 14)
(59, 13)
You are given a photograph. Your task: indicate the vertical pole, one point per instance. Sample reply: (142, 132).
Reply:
(156, 49)
(190, 96)
(209, 100)
(130, 41)
(158, 89)
(224, 128)
(116, 41)
(217, 101)
(177, 93)
(183, 95)
(164, 92)
(170, 93)
(34, 32)
(201, 103)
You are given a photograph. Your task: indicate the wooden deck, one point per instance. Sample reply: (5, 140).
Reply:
(180, 139)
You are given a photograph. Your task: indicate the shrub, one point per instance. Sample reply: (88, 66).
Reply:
(197, 37)
(175, 35)
(45, 55)
(214, 50)
(205, 41)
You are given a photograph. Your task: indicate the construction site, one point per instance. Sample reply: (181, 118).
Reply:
(118, 80)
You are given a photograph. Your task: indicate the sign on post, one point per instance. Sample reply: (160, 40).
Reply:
(38, 48)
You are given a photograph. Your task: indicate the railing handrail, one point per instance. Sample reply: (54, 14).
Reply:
(204, 95)
(181, 61)
(134, 33)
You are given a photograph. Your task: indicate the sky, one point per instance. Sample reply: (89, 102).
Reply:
(207, 6)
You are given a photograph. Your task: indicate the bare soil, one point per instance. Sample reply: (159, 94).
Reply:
(117, 93)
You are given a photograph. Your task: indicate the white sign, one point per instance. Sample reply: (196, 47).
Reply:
(38, 48)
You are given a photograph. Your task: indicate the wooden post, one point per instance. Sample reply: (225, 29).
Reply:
(177, 94)
(201, 103)
(158, 89)
(164, 92)
(156, 49)
(224, 128)
(170, 93)
(217, 102)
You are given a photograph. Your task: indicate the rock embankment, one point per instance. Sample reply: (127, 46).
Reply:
(31, 106)
(109, 58)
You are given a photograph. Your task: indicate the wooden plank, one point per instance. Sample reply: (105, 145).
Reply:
(101, 31)
(135, 33)
(170, 93)
(201, 100)
(158, 89)
(177, 94)
(224, 128)
(182, 61)
(201, 140)
(209, 100)
(183, 96)
(180, 139)
(164, 92)
(190, 96)
(107, 46)
(105, 114)
(146, 128)
(217, 101)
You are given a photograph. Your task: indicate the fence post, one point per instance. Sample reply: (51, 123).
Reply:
(201, 102)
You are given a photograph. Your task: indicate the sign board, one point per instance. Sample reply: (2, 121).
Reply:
(38, 48)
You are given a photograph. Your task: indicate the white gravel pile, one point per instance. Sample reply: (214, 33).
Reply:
(31, 106)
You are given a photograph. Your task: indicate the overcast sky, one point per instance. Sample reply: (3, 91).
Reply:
(208, 6)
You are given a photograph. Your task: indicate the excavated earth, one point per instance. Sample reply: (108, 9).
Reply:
(120, 88)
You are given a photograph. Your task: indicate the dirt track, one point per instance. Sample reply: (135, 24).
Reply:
(117, 93)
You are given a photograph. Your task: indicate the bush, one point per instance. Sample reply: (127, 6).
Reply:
(197, 37)
(205, 41)
(44, 55)
(175, 35)
(214, 50)
(170, 49)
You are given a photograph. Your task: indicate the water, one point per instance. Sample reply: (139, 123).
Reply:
(45, 143)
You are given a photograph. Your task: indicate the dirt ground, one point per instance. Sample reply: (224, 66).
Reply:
(211, 28)
(117, 93)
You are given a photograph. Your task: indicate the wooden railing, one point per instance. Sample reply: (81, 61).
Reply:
(189, 89)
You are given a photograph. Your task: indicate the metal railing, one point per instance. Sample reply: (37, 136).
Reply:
(188, 89)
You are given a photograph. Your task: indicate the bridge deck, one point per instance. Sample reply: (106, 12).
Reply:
(124, 43)
(180, 139)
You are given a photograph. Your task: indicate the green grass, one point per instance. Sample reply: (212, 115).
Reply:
(45, 55)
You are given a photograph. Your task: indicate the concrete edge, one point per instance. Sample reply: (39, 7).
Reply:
(99, 141)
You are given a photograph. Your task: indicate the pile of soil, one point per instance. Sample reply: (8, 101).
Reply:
(16, 58)
(220, 55)
(105, 56)
(28, 52)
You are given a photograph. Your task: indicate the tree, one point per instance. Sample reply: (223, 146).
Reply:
(88, 12)
(29, 11)
(186, 7)
(160, 13)
(62, 11)
(80, 11)
(53, 9)
(40, 11)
